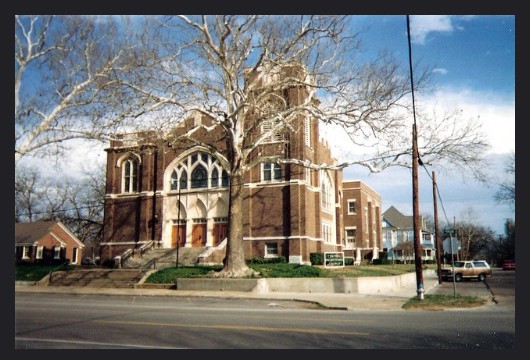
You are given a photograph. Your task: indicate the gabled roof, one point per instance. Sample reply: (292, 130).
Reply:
(30, 233)
(397, 219)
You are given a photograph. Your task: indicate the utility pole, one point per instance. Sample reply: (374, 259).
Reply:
(415, 198)
(416, 216)
(154, 217)
(436, 230)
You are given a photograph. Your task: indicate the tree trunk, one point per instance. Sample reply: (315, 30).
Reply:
(234, 262)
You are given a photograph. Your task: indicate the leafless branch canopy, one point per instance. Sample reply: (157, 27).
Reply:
(91, 76)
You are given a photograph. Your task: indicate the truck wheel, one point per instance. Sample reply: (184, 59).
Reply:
(458, 277)
(481, 277)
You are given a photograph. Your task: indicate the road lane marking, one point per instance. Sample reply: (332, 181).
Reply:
(238, 327)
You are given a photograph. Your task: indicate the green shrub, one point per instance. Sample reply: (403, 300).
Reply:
(381, 261)
(316, 258)
(261, 260)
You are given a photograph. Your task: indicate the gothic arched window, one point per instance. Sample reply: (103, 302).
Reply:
(225, 179)
(327, 191)
(173, 182)
(184, 180)
(199, 177)
(202, 169)
(215, 178)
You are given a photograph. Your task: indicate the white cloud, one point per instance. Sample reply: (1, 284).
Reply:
(422, 25)
(440, 71)
(495, 112)
(80, 157)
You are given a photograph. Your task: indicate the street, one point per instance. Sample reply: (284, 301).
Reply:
(70, 321)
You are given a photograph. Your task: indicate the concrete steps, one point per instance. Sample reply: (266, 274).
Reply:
(165, 258)
(130, 273)
(138, 261)
(96, 278)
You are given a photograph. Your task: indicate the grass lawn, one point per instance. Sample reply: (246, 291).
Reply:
(441, 302)
(169, 275)
(36, 272)
(31, 272)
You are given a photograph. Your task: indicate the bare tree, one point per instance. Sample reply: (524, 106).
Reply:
(84, 209)
(63, 68)
(76, 203)
(237, 70)
(506, 192)
(473, 237)
(28, 195)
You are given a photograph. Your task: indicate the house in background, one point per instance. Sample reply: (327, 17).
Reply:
(398, 237)
(46, 242)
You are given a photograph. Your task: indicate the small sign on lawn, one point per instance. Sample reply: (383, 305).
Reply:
(333, 259)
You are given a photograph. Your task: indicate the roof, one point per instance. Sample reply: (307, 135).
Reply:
(30, 233)
(397, 219)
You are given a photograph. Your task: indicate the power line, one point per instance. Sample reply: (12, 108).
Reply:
(439, 195)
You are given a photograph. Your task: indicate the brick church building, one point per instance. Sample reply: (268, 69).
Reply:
(161, 191)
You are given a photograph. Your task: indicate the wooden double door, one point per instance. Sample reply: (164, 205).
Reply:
(178, 236)
(199, 234)
(220, 231)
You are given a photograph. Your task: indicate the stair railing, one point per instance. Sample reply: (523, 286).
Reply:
(120, 259)
(149, 264)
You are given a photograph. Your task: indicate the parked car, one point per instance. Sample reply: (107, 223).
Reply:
(470, 269)
(508, 265)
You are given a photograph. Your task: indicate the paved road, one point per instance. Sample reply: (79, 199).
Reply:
(89, 321)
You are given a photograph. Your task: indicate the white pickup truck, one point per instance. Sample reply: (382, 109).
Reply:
(472, 269)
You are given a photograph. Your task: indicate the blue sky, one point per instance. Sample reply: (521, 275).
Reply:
(467, 51)
(473, 58)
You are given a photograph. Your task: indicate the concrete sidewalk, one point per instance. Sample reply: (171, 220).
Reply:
(388, 301)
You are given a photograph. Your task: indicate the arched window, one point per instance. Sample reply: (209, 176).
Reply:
(130, 176)
(215, 178)
(199, 177)
(173, 182)
(327, 191)
(225, 180)
(204, 170)
(184, 180)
